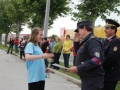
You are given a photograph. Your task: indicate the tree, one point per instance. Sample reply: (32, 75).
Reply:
(6, 23)
(91, 9)
(19, 14)
(57, 8)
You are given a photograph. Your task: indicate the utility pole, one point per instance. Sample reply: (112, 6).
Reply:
(46, 18)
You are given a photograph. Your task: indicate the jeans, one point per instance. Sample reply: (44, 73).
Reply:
(16, 48)
(66, 59)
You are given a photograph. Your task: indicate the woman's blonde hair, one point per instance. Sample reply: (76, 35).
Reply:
(33, 36)
(58, 39)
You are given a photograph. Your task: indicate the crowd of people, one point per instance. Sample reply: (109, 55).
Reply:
(18, 45)
(96, 63)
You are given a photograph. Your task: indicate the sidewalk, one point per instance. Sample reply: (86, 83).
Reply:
(13, 76)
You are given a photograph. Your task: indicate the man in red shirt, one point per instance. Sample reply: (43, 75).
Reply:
(16, 42)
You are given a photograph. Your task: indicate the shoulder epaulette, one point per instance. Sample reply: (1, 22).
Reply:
(93, 36)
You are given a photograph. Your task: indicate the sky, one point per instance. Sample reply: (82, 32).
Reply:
(69, 24)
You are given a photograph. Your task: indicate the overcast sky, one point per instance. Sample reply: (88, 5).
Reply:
(69, 24)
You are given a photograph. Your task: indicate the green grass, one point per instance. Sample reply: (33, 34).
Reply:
(3, 46)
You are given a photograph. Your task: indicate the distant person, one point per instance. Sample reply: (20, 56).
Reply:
(35, 61)
(22, 46)
(52, 43)
(57, 48)
(21, 41)
(44, 47)
(11, 44)
(67, 45)
(16, 42)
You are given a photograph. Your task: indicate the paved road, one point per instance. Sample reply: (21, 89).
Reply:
(13, 75)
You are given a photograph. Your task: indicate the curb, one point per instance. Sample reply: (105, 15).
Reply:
(69, 78)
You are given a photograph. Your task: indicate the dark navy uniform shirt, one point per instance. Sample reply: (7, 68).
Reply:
(89, 57)
(111, 63)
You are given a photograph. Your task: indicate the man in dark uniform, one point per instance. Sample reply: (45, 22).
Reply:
(88, 64)
(111, 63)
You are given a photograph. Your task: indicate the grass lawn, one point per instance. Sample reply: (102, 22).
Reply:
(3, 46)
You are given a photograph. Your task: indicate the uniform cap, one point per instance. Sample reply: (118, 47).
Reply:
(110, 22)
(83, 23)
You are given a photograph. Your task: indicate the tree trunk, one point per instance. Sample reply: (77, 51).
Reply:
(18, 29)
(0, 38)
(6, 39)
(93, 24)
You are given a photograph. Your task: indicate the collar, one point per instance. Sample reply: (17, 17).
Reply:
(110, 37)
(88, 36)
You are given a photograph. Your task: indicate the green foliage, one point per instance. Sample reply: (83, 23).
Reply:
(5, 22)
(18, 13)
(91, 9)
(53, 36)
(57, 8)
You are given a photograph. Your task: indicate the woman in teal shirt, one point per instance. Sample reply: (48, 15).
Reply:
(35, 61)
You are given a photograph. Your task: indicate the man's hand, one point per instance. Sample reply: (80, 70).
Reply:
(73, 69)
(77, 37)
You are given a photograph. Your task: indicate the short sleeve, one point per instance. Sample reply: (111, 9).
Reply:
(29, 48)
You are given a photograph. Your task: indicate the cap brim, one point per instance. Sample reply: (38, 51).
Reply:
(76, 30)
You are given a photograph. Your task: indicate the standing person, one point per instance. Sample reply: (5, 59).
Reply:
(52, 43)
(21, 41)
(45, 45)
(88, 64)
(67, 45)
(16, 42)
(11, 44)
(74, 54)
(57, 48)
(35, 61)
(111, 63)
(22, 50)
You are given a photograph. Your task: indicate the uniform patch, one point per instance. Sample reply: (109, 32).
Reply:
(115, 48)
(81, 46)
(97, 54)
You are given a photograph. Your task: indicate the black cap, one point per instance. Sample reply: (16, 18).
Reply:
(83, 23)
(110, 22)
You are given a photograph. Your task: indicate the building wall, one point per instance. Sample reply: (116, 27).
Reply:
(98, 31)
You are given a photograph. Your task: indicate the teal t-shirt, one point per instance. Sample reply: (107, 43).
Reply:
(35, 68)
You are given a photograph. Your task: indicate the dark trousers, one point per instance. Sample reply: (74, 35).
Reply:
(96, 83)
(66, 59)
(22, 54)
(56, 60)
(36, 85)
(110, 85)
(10, 48)
(74, 60)
(46, 63)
